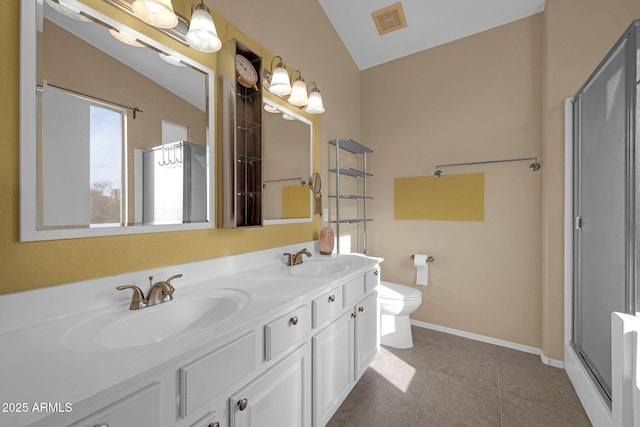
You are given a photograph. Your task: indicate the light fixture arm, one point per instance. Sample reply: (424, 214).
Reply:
(199, 6)
(279, 63)
(299, 75)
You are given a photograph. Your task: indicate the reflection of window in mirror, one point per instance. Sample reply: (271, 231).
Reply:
(82, 182)
(173, 132)
(106, 148)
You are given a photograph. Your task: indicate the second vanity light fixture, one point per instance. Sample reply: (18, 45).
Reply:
(277, 81)
(202, 34)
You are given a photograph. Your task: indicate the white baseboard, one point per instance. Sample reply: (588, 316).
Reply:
(495, 341)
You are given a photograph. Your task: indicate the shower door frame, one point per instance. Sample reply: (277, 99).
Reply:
(631, 164)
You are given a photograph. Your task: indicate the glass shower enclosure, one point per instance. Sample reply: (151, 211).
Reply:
(606, 193)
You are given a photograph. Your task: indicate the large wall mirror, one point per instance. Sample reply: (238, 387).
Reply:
(115, 133)
(287, 165)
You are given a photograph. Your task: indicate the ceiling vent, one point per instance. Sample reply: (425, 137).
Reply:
(389, 19)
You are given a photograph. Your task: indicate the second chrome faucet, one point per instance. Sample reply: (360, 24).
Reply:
(159, 292)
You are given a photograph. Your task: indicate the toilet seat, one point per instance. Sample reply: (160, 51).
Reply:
(395, 292)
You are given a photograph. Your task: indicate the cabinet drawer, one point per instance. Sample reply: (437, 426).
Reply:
(203, 379)
(371, 280)
(141, 408)
(286, 331)
(352, 291)
(327, 306)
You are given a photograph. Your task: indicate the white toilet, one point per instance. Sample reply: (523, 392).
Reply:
(396, 303)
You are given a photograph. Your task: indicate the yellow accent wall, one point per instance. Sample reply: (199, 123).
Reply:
(32, 265)
(447, 198)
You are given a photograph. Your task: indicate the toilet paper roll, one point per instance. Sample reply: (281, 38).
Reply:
(422, 269)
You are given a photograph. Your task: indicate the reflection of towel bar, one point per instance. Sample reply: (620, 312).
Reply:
(429, 259)
(264, 185)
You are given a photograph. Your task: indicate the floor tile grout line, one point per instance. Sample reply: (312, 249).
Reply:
(500, 396)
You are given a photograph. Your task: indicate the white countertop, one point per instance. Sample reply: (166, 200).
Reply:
(36, 365)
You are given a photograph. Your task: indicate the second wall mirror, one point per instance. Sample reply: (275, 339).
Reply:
(287, 165)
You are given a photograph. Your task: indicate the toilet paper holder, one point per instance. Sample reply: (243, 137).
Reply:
(429, 258)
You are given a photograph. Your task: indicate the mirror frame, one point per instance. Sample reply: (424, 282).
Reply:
(304, 120)
(29, 18)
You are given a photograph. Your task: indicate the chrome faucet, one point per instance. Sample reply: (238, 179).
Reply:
(159, 292)
(295, 259)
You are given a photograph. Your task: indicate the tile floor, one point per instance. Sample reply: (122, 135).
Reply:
(446, 380)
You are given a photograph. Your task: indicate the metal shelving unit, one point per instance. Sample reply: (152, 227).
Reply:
(355, 148)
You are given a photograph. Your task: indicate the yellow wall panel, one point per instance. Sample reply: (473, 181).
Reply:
(448, 198)
(295, 201)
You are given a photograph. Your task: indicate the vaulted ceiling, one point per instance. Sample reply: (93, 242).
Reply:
(429, 23)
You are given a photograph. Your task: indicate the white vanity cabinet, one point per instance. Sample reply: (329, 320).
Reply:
(281, 397)
(332, 367)
(366, 340)
(288, 363)
(344, 349)
(140, 409)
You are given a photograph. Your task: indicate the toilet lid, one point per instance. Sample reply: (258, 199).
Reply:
(395, 291)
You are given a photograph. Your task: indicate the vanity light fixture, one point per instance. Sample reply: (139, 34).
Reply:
(125, 38)
(158, 13)
(315, 105)
(270, 109)
(69, 11)
(171, 59)
(278, 79)
(202, 34)
(298, 96)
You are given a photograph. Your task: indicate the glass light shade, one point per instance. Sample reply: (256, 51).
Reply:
(280, 84)
(125, 38)
(158, 13)
(270, 109)
(315, 103)
(171, 59)
(299, 96)
(67, 10)
(202, 34)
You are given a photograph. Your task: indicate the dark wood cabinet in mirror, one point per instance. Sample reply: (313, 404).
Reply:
(241, 128)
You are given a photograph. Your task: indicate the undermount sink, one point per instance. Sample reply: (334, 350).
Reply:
(319, 267)
(155, 324)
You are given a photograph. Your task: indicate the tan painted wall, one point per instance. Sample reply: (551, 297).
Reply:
(577, 35)
(473, 99)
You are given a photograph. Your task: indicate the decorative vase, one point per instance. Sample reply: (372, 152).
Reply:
(326, 242)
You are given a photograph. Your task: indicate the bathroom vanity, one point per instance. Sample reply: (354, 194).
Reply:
(271, 346)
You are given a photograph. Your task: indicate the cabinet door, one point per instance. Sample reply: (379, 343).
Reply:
(366, 339)
(281, 397)
(332, 368)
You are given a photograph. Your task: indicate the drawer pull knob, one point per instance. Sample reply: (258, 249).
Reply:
(375, 273)
(353, 315)
(242, 404)
(101, 425)
(294, 320)
(361, 309)
(332, 298)
(216, 424)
